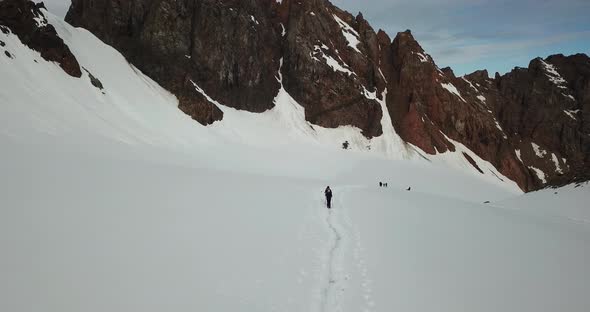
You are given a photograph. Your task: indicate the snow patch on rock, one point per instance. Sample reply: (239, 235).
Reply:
(351, 35)
(500, 128)
(553, 75)
(571, 113)
(538, 150)
(422, 57)
(382, 76)
(369, 95)
(470, 84)
(540, 174)
(330, 61)
(517, 152)
(556, 163)
(452, 89)
(40, 20)
(254, 19)
(569, 96)
(204, 94)
(283, 30)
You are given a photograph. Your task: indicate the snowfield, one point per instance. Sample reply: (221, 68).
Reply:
(114, 200)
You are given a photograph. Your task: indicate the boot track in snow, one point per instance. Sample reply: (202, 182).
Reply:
(332, 282)
(327, 292)
(343, 260)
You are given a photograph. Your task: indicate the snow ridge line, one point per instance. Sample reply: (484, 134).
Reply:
(328, 290)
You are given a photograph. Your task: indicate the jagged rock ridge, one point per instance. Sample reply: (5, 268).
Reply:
(530, 123)
(331, 59)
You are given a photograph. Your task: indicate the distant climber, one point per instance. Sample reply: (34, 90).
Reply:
(328, 193)
(409, 188)
(380, 184)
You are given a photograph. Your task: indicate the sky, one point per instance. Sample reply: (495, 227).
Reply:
(496, 35)
(468, 35)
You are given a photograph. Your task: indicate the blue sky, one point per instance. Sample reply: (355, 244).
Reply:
(474, 34)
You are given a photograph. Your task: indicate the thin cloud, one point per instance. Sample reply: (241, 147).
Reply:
(463, 51)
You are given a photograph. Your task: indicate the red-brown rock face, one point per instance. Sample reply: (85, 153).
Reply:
(25, 20)
(545, 109)
(430, 106)
(530, 123)
(232, 50)
(326, 72)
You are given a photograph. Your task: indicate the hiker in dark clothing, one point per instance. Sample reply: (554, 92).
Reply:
(380, 184)
(328, 193)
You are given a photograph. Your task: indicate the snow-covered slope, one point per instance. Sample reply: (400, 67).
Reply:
(420, 252)
(569, 202)
(114, 200)
(132, 109)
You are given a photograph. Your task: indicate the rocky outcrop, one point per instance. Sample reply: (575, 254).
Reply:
(327, 72)
(25, 19)
(232, 50)
(545, 109)
(431, 108)
(530, 123)
(416, 102)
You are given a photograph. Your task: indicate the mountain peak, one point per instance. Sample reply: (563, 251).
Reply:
(407, 40)
(481, 74)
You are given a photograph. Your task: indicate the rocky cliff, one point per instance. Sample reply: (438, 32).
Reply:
(233, 51)
(25, 20)
(531, 123)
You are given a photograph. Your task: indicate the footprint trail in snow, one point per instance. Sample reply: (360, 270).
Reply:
(331, 281)
(345, 269)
